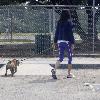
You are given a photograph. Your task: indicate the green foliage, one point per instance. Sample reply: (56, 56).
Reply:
(8, 2)
(60, 2)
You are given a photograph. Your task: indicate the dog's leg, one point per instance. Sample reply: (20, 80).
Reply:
(12, 72)
(6, 71)
(15, 69)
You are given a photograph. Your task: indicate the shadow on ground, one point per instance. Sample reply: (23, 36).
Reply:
(79, 66)
(1, 65)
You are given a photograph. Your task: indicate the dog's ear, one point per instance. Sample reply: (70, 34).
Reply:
(9, 61)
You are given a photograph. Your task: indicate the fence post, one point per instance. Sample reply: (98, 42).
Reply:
(93, 25)
(10, 22)
(11, 27)
(53, 24)
(50, 21)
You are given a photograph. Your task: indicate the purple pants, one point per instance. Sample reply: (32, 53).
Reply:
(62, 47)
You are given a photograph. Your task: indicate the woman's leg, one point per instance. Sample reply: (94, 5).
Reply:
(61, 47)
(69, 52)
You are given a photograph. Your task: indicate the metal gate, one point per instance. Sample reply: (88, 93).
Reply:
(20, 26)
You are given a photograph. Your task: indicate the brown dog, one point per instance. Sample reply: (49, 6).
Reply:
(12, 65)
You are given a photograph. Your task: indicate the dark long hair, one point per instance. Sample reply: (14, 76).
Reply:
(65, 16)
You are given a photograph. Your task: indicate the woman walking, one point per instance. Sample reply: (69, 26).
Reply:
(65, 40)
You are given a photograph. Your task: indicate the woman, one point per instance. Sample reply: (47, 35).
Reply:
(65, 40)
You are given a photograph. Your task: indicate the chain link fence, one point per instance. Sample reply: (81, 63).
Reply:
(28, 31)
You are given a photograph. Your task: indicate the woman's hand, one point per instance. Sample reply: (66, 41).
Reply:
(72, 47)
(54, 46)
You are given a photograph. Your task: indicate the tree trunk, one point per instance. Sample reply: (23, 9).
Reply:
(77, 25)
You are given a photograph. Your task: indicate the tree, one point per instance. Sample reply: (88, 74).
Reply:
(89, 12)
(8, 2)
